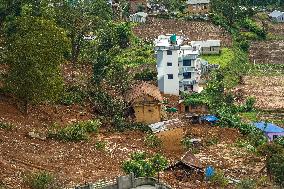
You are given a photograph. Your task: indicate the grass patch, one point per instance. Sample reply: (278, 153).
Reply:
(79, 131)
(101, 145)
(267, 70)
(223, 59)
(152, 141)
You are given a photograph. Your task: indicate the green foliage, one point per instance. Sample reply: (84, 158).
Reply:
(76, 131)
(73, 95)
(276, 167)
(6, 126)
(70, 17)
(40, 180)
(226, 57)
(246, 184)
(187, 144)
(211, 141)
(34, 53)
(280, 141)
(146, 75)
(152, 141)
(253, 27)
(144, 166)
(101, 145)
(195, 99)
(219, 179)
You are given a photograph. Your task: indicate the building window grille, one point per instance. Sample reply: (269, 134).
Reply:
(186, 62)
(169, 52)
(170, 76)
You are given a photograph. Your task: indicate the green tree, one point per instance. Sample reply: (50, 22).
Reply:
(35, 49)
(276, 167)
(79, 18)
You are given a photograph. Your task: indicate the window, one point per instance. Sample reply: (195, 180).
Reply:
(186, 62)
(275, 137)
(170, 76)
(169, 64)
(187, 75)
(169, 52)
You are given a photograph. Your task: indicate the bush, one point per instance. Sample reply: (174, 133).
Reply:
(40, 180)
(73, 95)
(219, 179)
(246, 184)
(101, 145)
(280, 141)
(146, 75)
(276, 167)
(76, 131)
(144, 166)
(153, 141)
(6, 126)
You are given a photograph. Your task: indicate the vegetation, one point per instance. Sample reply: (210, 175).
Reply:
(6, 126)
(225, 58)
(246, 184)
(143, 165)
(34, 54)
(76, 131)
(219, 179)
(153, 141)
(40, 180)
(101, 145)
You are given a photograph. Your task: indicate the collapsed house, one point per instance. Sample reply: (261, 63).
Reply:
(145, 100)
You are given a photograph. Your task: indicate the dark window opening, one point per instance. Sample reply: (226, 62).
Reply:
(187, 75)
(275, 137)
(169, 64)
(170, 76)
(186, 62)
(186, 108)
(169, 52)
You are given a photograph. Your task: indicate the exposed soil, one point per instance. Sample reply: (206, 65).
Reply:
(191, 30)
(267, 52)
(268, 91)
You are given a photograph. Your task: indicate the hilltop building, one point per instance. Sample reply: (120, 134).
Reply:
(208, 46)
(179, 68)
(277, 16)
(198, 6)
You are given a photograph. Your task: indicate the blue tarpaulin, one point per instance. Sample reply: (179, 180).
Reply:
(210, 118)
(268, 127)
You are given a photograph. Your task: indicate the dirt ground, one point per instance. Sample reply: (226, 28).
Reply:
(268, 91)
(191, 30)
(267, 52)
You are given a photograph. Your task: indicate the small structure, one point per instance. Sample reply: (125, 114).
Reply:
(271, 130)
(277, 16)
(207, 47)
(145, 100)
(166, 125)
(138, 5)
(188, 162)
(138, 17)
(198, 6)
(193, 109)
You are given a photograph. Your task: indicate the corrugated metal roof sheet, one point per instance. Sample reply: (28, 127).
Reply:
(268, 127)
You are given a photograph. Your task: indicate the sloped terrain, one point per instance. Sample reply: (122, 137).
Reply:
(267, 52)
(268, 91)
(191, 30)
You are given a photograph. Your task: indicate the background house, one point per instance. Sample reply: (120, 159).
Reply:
(194, 109)
(208, 46)
(272, 131)
(145, 99)
(138, 17)
(277, 16)
(198, 6)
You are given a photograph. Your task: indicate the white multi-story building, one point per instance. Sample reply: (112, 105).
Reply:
(179, 68)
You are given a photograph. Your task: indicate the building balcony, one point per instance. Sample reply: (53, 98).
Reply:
(187, 82)
(187, 69)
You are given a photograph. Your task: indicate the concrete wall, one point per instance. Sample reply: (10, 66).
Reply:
(210, 50)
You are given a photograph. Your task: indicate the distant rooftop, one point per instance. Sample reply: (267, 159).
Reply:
(164, 40)
(194, 2)
(268, 127)
(208, 43)
(276, 14)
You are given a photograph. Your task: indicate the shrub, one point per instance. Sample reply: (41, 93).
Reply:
(219, 179)
(246, 184)
(76, 131)
(280, 141)
(6, 126)
(101, 145)
(146, 75)
(153, 141)
(212, 141)
(187, 144)
(276, 167)
(73, 95)
(40, 180)
(144, 166)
